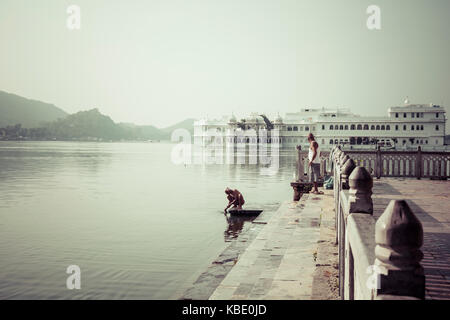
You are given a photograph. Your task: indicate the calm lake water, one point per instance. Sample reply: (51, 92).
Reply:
(138, 226)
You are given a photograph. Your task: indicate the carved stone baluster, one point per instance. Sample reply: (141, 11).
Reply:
(336, 158)
(300, 166)
(378, 163)
(344, 157)
(297, 185)
(410, 164)
(360, 194)
(346, 170)
(337, 155)
(439, 166)
(399, 236)
(336, 186)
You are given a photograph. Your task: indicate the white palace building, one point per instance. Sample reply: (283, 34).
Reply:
(405, 127)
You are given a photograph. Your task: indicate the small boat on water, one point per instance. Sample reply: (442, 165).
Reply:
(244, 212)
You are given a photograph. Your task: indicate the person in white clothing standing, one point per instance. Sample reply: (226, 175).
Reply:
(314, 162)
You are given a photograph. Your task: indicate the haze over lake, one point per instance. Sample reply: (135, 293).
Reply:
(139, 226)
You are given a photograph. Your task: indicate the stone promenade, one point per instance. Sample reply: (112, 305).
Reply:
(430, 202)
(280, 263)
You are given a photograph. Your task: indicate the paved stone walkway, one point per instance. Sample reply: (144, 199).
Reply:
(326, 276)
(208, 281)
(430, 202)
(280, 262)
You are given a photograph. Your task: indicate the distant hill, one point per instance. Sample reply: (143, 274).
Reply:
(29, 113)
(86, 125)
(22, 118)
(143, 132)
(153, 133)
(187, 124)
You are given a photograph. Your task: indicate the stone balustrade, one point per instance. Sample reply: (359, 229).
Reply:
(387, 163)
(378, 259)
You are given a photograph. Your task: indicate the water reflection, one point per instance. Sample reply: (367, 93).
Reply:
(235, 226)
(285, 163)
(246, 156)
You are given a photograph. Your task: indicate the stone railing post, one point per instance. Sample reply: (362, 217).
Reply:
(344, 157)
(346, 170)
(359, 201)
(300, 165)
(419, 163)
(337, 153)
(360, 194)
(336, 186)
(398, 237)
(336, 180)
(378, 163)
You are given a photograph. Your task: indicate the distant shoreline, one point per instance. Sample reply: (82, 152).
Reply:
(82, 140)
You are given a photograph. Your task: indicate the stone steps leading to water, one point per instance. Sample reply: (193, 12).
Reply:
(280, 262)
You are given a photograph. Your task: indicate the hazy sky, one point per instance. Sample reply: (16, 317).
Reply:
(161, 61)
